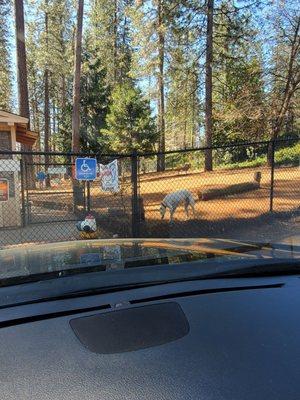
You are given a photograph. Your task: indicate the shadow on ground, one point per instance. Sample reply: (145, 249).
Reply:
(266, 227)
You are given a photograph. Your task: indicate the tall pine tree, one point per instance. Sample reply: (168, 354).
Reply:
(5, 65)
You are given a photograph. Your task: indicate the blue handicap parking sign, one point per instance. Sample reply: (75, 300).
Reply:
(85, 169)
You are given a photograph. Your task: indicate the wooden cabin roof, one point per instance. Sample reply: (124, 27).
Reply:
(23, 134)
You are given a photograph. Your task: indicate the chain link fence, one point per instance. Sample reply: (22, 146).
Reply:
(251, 188)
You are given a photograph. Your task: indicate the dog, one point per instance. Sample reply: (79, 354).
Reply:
(172, 201)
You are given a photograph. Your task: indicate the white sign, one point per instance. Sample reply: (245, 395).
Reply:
(9, 165)
(109, 175)
(57, 170)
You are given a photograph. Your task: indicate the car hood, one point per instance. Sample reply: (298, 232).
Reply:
(68, 258)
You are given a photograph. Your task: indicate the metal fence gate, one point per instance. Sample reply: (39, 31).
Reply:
(50, 196)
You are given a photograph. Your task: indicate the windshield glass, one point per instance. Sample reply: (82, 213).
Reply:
(139, 134)
(46, 262)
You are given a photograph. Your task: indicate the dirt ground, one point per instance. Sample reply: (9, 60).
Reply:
(245, 205)
(153, 188)
(243, 215)
(239, 216)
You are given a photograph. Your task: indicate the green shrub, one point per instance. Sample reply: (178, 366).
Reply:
(288, 155)
(285, 156)
(246, 164)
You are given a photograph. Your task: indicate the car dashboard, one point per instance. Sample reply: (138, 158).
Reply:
(213, 339)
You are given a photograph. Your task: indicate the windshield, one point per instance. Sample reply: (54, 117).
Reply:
(140, 134)
(66, 259)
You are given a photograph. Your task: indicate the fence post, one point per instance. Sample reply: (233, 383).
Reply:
(84, 196)
(88, 196)
(135, 222)
(23, 210)
(272, 174)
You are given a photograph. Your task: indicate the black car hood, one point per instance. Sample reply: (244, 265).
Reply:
(68, 258)
(43, 272)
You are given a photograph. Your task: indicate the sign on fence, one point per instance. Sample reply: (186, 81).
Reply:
(10, 166)
(41, 176)
(57, 169)
(4, 190)
(109, 175)
(85, 169)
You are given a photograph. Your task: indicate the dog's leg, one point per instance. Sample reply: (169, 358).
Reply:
(186, 207)
(193, 208)
(172, 211)
(192, 204)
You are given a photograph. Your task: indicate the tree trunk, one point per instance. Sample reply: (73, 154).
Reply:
(76, 82)
(54, 127)
(193, 119)
(161, 89)
(208, 86)
(63, 77)
(23, 97)
(63, 93)
(291, 85)
(35, 113)
(34, 106)
(270, 155)
(185, 123)
(272, 145)
(21, 60)
(115, 50)
(77, 190)
(46, 104)
(47, 124)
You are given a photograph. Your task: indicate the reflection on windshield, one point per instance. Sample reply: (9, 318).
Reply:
(83, 257)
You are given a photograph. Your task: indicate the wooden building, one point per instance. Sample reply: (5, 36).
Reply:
(13, 130)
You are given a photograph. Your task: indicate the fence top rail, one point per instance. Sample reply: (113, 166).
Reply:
(226, 146)
(147, 154)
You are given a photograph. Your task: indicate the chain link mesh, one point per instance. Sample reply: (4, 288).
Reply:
(40, 201)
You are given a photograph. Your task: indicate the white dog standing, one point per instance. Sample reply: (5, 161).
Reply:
(172, 201)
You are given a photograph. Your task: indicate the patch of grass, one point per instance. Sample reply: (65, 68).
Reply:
(245, 164)
(285, 156)
(288, 155)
